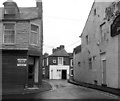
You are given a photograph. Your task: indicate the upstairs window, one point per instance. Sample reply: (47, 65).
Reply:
(90, 63)
(102, 32)
(94, 12)
(87, 39)
(34, 34)
(9, 33)
(54, 61)
(60, 60)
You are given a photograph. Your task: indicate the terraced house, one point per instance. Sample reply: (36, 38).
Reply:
(58, 65)
(99, 58)
(21, 42)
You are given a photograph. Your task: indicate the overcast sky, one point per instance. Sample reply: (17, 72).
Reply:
(63, 21)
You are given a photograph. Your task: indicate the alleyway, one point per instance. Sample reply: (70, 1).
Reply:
(64, 90)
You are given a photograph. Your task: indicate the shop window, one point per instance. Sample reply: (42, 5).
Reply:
(9, 33)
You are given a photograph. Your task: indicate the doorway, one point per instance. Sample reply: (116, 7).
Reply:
(33, 71)
(104, 72)
(64, 74)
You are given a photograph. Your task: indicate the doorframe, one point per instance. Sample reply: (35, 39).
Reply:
(62, 73)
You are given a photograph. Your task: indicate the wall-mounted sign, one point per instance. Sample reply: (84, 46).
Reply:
(21, 62)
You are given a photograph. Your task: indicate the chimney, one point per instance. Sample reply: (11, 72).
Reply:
(53, 50)
(39, 8)
(61, 46)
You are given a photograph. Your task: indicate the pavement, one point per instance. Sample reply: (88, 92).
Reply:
(45, 86)
(98, 87)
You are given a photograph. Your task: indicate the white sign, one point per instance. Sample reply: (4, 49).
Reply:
(21, 62)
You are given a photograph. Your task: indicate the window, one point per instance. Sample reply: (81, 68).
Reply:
(79, 64)
(54, 61)
(90, 63)
(34, 34)
(102, 32)
(94, 12)
(43, 62)
(9, 33)
(72, 72)
(60, 60)
(87, 39)
(47, 61)
(71, 62)
(9, 10)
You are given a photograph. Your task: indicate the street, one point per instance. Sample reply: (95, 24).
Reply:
(61, 89)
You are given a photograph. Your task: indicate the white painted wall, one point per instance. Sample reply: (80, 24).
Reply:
(54, 74)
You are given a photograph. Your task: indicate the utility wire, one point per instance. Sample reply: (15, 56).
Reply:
(49, 46)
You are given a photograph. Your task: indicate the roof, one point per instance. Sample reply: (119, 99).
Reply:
(25, 13)
(71, 55)
(28, 12)
(77, 49)
(61, 52)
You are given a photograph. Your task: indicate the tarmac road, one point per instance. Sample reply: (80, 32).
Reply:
(61, 89)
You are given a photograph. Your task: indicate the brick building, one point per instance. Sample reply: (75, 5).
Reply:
(21, 42)
(57, 65)
(100, 48)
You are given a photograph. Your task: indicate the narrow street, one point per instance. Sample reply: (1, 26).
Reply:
(61, 89)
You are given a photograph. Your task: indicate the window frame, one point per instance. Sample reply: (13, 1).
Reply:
(71, 72)
(90, 64)
(59, 59)
(34, 24)
(54, 61)
(14, 33)
(71, 62)
(87, 39)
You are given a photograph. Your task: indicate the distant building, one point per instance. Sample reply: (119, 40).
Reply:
(76, 61)
(100, 50)
(45, 67)
(71, 71)
(21, 42)
(58, 64)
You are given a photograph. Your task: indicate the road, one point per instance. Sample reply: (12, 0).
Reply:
(64, 90)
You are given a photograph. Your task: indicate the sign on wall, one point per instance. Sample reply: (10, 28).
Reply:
(21, 62)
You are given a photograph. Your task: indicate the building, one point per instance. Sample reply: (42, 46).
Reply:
(76, 61)
(100, 49)
(45, 69)
(57, 64)
(21, 42)
(71, 74)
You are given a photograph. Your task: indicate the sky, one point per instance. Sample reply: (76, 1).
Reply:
(63, 21)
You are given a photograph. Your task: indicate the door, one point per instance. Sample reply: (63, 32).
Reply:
(30, 75)
(31, 70)
(36, 73)
(104, 72)
(64, 74)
